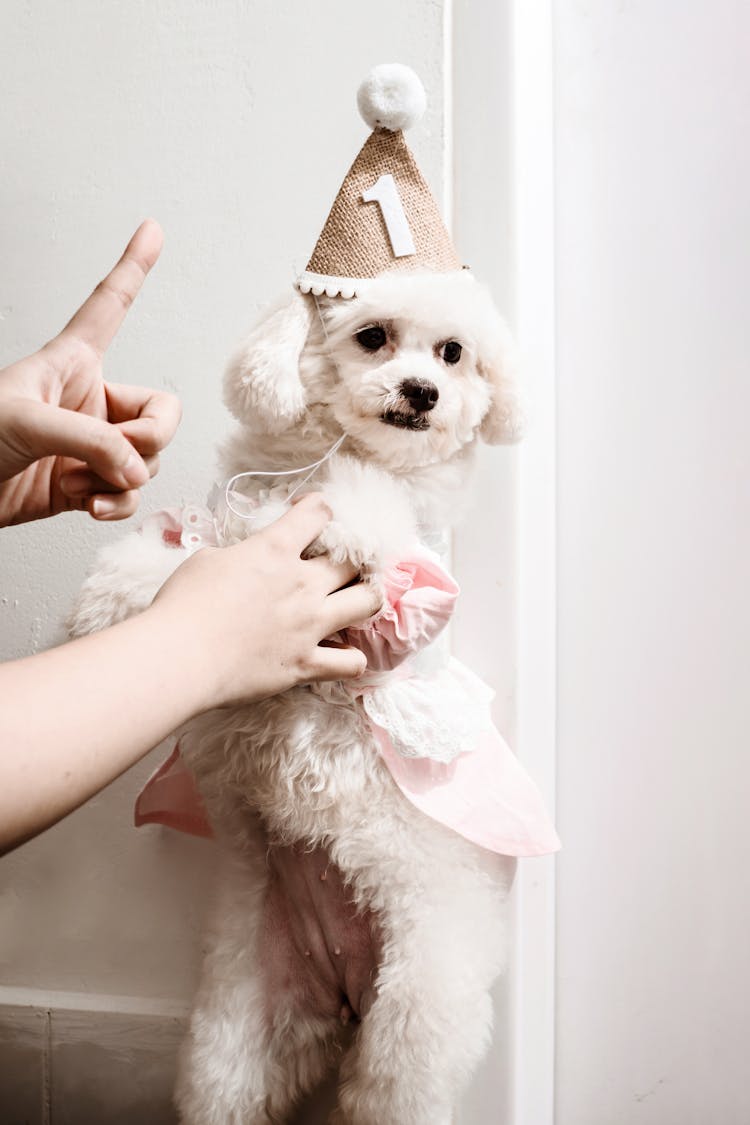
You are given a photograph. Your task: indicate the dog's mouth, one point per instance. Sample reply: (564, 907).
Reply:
(405, 421)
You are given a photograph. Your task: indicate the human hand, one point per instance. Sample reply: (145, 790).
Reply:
(68, 439)
(256, 615)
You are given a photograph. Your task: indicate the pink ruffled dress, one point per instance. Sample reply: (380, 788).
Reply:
(429, 715)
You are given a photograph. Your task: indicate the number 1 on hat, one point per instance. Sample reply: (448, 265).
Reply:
(385, 193)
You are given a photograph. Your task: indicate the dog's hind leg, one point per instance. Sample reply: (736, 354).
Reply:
(415, 1051)
(252, 1050)
(222, 1073)
(430, 1021)
(302, 1051)
(235, 1070)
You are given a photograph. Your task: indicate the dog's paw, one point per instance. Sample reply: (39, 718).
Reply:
(373, 522)
(341, 545)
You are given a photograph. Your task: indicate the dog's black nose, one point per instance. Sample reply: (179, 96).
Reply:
(420, 394)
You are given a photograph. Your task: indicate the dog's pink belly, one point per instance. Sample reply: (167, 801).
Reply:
(319, 953)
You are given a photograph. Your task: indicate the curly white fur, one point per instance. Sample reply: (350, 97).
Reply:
(305, 765)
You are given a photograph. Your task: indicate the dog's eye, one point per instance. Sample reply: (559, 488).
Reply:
(372, 338)
(451, 352)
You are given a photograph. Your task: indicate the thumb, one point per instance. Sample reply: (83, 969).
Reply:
(43, 430)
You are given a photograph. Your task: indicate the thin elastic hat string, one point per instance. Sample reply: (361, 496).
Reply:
(310, 470)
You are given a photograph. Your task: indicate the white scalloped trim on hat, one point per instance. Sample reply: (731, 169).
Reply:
(320, 284)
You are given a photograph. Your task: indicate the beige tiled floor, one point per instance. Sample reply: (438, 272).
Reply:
(86, 1068)
(63, 1067)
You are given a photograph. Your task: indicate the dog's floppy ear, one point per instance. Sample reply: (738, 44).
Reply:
(262, 385)
(504, 421)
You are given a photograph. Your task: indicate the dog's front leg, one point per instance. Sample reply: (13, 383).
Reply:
(222, 1073)
(373, 520)
(252, 1048)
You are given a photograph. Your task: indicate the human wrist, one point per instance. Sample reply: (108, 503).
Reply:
(175, 633)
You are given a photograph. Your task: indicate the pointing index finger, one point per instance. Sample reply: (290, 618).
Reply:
(99, 318)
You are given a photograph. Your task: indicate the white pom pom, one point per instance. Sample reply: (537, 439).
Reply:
(391, 97)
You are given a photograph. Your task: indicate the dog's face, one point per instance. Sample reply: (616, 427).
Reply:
(414, 369)
(410, 357)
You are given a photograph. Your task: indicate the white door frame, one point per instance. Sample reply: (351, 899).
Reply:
(533, 210)
(501, 94)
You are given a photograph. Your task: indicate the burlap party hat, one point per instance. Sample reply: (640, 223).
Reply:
(384, 216)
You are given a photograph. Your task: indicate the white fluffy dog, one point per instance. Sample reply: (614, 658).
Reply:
(412, 373)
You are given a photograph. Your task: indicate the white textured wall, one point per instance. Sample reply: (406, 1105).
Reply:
(233, 123)
(653, 245)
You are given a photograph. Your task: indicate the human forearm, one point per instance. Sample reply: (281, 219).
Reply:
(236, 624)
(74, 718)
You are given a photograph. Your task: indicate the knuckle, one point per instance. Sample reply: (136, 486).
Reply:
(57, 354)
(120, 294)
(359, 664)
(165, 412)
(277, 547)
(103, 442)
(147, 441)
(130, 503)
(74, 348)
(377, 599)
(157, 426)
(305, 668)
(315, 503)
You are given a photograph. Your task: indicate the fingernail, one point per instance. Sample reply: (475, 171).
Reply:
(102, 507)
(134, 471)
